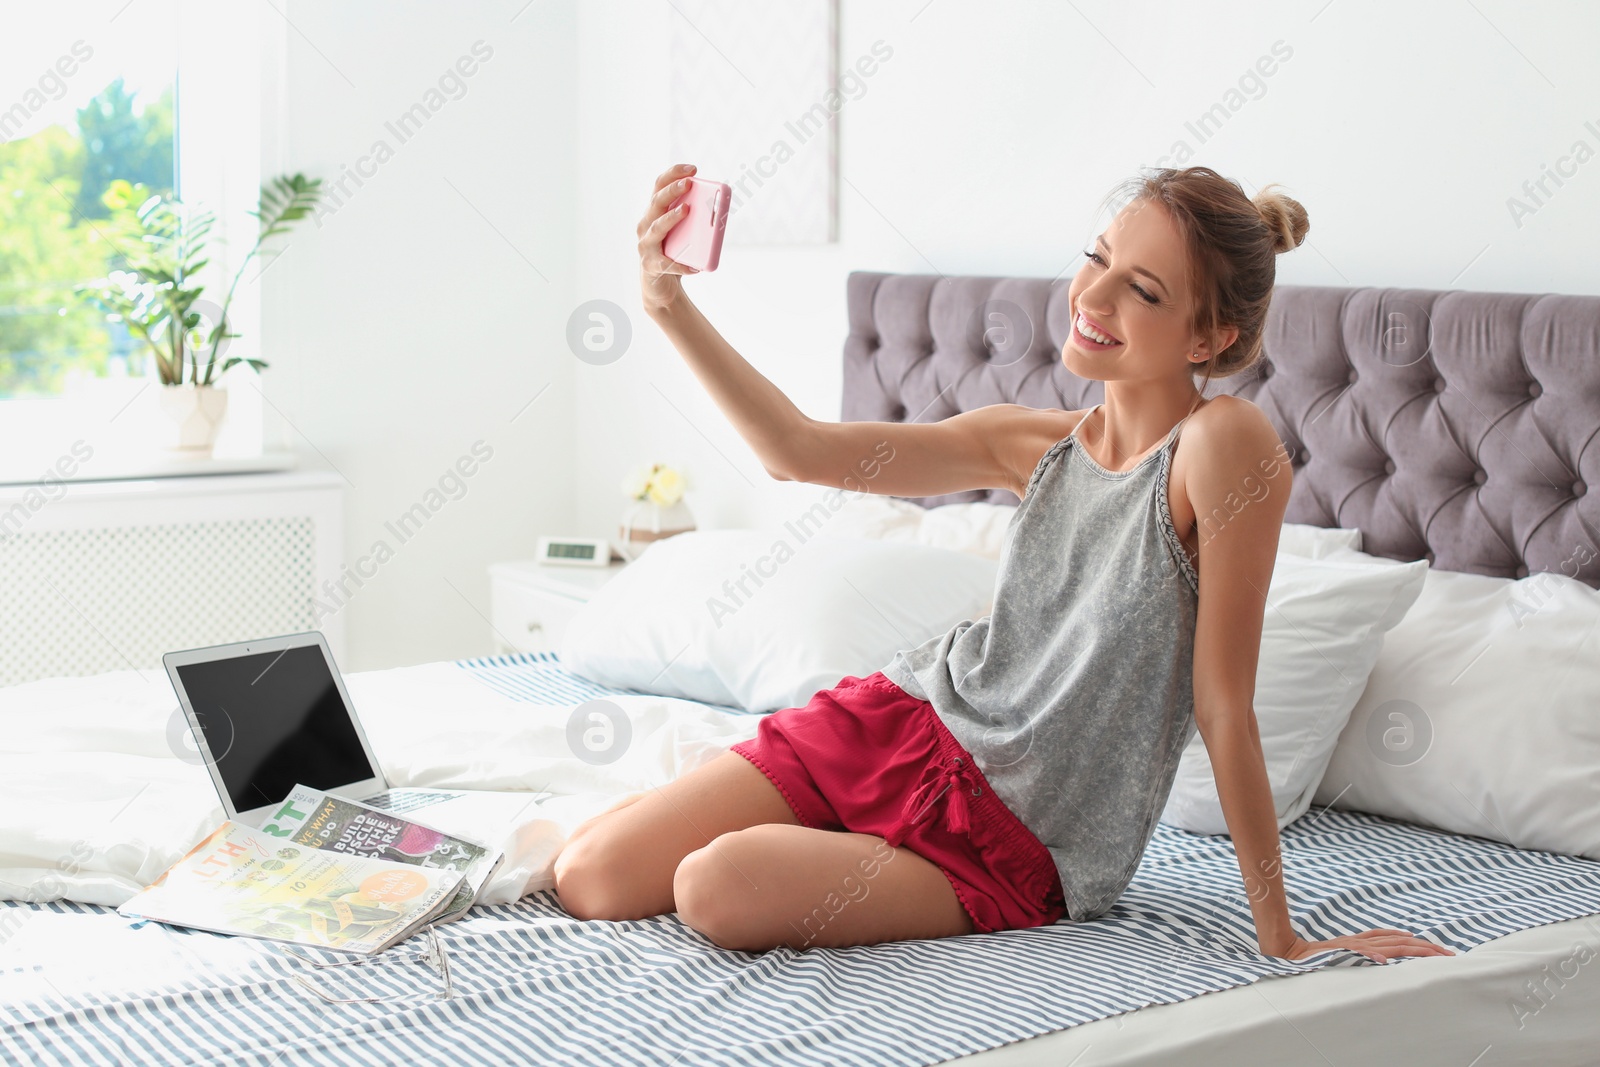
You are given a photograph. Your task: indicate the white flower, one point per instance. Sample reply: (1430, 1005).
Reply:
(635, 485)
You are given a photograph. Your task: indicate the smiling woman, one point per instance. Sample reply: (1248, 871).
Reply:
(1219, 258)
(1020, 761)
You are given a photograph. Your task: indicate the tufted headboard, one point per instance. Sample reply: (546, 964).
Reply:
(1458, 427)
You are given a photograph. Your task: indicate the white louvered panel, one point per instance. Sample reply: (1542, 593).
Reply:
(110, 575)
(749, 87)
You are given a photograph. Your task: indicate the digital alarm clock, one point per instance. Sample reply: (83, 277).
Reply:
(575, 551)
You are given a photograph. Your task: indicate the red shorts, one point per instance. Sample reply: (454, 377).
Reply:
(870, 758)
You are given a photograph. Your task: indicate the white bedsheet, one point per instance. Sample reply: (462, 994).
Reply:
(95, 803)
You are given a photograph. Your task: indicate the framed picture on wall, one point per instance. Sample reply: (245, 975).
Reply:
(755, 103)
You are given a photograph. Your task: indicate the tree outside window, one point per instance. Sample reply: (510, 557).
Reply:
(52, 236)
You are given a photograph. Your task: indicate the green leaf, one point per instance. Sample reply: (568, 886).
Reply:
(233, 361)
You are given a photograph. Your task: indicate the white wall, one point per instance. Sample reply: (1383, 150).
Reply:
(413, 321)
(405, 327)
(987, 140)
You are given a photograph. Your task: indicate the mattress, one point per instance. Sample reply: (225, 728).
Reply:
(1171, 972)
(1526, 998)
(70, 995)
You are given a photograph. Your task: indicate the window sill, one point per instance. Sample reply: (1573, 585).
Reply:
(154, 465)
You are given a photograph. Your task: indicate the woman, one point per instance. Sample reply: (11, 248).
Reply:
(1009, 773)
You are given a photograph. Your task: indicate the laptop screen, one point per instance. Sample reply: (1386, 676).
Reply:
(274, 720)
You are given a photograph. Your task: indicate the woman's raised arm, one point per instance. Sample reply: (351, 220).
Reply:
(990, 447)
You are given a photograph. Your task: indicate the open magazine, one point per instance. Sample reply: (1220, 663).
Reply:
(242, 881)
(324, 871)
(337, 824)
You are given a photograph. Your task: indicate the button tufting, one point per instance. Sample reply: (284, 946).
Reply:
(1578, 488)
(1534, 389)
(1266, 369)
(899, 413)
(1388, 466)
(1351, 377)
(1479, 477)
(1522, 572)
(1428, 555)
(1305, 457)
(1438, 385)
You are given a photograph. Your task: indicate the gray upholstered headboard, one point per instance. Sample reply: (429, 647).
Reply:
(1459, 427)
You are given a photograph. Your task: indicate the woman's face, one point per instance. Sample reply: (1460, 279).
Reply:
(1133, 289)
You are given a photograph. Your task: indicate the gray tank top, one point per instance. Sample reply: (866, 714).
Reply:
(1075, 694)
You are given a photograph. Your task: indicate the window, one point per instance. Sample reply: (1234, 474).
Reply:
(171, 94)
(81, 124)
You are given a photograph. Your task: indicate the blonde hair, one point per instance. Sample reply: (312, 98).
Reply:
(1233, 242)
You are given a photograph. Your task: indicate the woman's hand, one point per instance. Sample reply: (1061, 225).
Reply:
(1382, 945)
(660, 277)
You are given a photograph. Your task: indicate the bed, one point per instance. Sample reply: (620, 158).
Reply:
(1454, 427)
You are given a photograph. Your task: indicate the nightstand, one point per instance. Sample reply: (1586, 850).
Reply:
(530, 603)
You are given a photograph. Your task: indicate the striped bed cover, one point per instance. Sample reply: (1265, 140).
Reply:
(532, 985)
(539, 678)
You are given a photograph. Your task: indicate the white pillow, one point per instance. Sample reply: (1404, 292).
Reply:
(977, 528)
(1316, 542)
(1482, 715)
(1324, 624)
(981, 528)
(866, 515)
(762, 620)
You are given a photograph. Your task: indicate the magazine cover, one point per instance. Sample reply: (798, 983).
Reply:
(337, 824)
(241, 881)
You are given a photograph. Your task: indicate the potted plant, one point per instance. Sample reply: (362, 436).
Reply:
(161, 243)
(656, 510)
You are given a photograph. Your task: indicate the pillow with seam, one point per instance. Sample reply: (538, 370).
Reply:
(1322, 631)
(762, 620)
(1479, 715)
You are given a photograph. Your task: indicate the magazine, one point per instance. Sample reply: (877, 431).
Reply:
(338, 824)
(242, 881)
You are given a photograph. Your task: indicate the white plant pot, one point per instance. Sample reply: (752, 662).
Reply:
(196, 412)
(645, 521)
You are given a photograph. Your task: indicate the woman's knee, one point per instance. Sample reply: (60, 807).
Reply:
(716, 898)
(592, 877)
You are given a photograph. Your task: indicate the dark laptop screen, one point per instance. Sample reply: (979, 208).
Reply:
(272, 720)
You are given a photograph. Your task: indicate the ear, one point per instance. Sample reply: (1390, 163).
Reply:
(1203, 351)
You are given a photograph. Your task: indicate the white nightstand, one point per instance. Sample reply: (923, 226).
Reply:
(530, 603)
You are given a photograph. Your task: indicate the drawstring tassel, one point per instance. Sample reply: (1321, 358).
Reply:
(957, 814)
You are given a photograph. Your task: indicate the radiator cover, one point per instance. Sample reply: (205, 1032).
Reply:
(109, 575)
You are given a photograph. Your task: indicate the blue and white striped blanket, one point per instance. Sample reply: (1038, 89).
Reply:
(539, 678)
(535, 986)
(532, 985)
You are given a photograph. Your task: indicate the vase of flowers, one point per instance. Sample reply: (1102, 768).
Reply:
(655, 508)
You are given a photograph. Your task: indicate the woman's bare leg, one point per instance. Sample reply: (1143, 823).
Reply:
(770, 885)
(620, 864)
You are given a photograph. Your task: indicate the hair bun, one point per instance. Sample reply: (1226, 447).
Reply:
(1284, 217)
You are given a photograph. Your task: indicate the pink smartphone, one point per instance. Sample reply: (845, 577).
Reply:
(696, 241)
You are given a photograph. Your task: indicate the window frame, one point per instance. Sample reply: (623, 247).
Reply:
(229, 136)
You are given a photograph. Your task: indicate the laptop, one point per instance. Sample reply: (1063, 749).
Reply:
(271, 714)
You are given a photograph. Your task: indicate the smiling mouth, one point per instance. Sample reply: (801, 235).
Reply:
(1091, 337)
